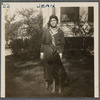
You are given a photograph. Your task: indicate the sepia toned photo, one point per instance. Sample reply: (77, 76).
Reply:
(49, 49)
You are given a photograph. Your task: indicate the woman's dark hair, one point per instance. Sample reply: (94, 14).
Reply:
(52, 16)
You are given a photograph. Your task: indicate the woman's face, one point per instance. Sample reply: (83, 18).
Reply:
(53, 22)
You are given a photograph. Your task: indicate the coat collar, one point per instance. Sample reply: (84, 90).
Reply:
(52, 31)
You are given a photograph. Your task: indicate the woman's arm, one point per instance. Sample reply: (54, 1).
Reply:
(42, 44)
(62, 42)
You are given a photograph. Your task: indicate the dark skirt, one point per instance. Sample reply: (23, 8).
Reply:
(52, 65)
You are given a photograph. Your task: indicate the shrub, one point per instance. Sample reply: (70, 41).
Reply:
(27, 49)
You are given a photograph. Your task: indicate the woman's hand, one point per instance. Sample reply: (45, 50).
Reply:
(60, 54)
(41, 55)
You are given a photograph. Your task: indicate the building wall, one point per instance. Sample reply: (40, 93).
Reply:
(82, 13)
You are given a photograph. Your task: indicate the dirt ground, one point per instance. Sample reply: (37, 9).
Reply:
(26, 78)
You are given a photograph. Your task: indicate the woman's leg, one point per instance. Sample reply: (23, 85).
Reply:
(53, 86)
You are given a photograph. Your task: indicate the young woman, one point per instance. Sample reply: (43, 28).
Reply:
(51, 51)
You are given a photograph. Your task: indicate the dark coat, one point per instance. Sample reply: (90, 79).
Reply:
(51, 57)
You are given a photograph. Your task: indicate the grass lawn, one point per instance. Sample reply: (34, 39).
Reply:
(26, 78)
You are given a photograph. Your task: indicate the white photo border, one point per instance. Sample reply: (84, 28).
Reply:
(68, 4)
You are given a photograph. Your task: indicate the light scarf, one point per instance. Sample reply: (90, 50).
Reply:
(53, 32)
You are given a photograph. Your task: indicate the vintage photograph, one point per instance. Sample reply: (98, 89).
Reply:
(49, 49)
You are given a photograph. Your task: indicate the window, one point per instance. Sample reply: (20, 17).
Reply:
(69, 14)
(91, 14)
